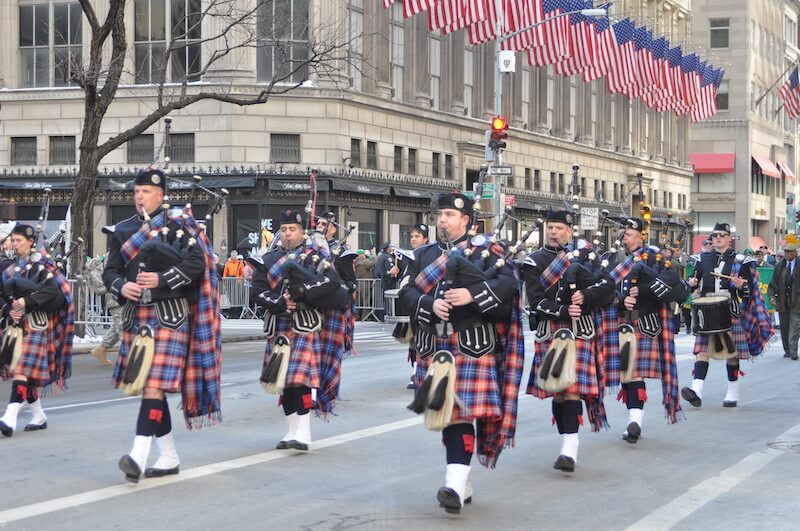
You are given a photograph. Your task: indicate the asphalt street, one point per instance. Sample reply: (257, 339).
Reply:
(374, 466)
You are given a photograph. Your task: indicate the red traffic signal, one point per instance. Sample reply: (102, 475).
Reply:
(498, 134)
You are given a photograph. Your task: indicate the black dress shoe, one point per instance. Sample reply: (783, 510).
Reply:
(632, 433)
(410, 385)
(448, 498)
(5, 429)
(297, 445)
(729, 403)
(690, 396)
(565, 463)
(160, 472)
(36, 427)
(131, 469)
(282, 445)
(794, 357)
(786, 355)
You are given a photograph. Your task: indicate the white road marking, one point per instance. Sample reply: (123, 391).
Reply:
(669, 515)
(92, 496)
(111, 400)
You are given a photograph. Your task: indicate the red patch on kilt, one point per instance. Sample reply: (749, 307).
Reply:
(622, 396)
(642, 394)
(307, 402)
(741, 373)
(156, 415)
(22, 391)
(580, 420)
(469, 442)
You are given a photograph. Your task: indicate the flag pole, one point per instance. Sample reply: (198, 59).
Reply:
(758, 101)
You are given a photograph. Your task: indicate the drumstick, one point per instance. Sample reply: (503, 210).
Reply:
(720, 275)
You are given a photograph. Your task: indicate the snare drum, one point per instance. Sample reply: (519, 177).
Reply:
(711, 314)
(391, 297)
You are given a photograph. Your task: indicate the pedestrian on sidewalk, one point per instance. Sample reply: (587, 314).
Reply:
(40, 319)
(784, 294)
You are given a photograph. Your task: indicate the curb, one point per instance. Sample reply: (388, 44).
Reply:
(85, 348)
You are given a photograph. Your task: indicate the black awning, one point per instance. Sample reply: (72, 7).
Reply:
(361, 187)
(297, 185)
(408, 192)
(180, 183)
(33, 184)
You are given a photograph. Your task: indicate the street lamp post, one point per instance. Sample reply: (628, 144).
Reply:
(498, 89)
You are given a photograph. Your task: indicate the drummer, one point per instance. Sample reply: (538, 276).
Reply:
(722, 270)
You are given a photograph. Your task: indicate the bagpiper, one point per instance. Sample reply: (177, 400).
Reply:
(563, 297)
(466, 318)
(160, 267)
(37, 316)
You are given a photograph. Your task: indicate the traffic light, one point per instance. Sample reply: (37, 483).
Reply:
(646, 211)
(488, 151)
(498, 134)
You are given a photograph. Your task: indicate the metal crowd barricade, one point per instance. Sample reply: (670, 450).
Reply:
(90, 309)
(234, 292)
(369, 298)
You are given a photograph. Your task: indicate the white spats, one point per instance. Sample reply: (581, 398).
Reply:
(732, 395)
(303, 431)
(697, 387)
(167, 454)
(8, 422)
(456, 478)
(636, 415)
(291, 422)
(38, 418)
(141, 449)
(569, 445)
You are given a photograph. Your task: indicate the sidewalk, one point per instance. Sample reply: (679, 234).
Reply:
(233, 330)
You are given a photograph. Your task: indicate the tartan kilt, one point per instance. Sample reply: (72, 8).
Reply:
(476, 382)
(739, 339)
(169, 355)
(587, 385)
(648, 355)
(36, 362)
(606, 324)
(304, 361)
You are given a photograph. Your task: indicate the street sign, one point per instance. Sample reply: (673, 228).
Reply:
(488, 191)
(508, 171)
(510, 200)
(590, 217)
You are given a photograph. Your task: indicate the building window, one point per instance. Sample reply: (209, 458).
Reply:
(435, 163)
(141, 149)
(397, 51)
(153, 36)
(50, 37)
(561, 184)
(469, 80)
(436, 71)
(722, 96)
(356, 43)
(718, 29)
(62, 150)
(583, 186)
(372, 155)
(181, 147)
(553, 183)
(355, 153)
(527, 184)
(398, 159)
(448, 166)
(23, 151)
(537, 181)
(285, 148)
(412, 161)
(282, 41)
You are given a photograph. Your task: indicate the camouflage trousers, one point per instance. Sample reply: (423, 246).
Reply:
(112, 336)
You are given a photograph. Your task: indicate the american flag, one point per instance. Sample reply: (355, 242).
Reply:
(662, 98)
(690, 65)
(790, 94)
(645, 68)
(452, 15)
(484, 30)
(621, 59)
(707, 101)
(522, 14)
(581, 40)
(675, 57)
(553, 47)
(604, 41)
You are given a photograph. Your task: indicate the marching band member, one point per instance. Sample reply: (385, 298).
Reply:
(567, 368)
(721, 270)
(418, 238)
(160, 266)
(293, 286)
(39, 328)
(646, 337)
(468, 337)
(338, 327)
